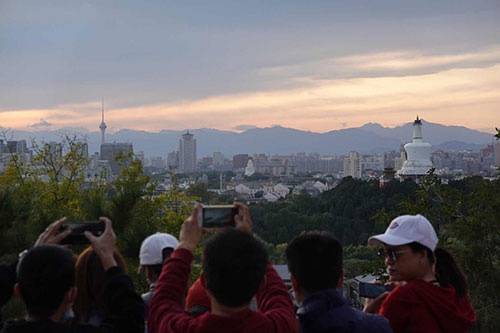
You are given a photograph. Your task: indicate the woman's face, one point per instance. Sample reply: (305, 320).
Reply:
(402, 263)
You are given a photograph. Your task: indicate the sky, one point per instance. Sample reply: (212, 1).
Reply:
(311, 65)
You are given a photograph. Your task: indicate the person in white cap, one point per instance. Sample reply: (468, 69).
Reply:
(155, 249)
(434, 295)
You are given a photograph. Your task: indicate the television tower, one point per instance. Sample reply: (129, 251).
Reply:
(103, 126)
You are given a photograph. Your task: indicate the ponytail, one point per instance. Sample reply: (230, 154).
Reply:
(448, 273)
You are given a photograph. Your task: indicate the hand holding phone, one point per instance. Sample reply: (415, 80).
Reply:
(372, 290)
(53, 234)
(78, 229)
(218, 216)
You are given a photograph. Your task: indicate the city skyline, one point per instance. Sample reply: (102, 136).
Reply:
(229, 66)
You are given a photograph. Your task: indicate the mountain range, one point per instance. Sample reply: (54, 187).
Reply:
(369, 138)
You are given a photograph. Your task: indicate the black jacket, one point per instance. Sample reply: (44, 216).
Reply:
(7, 281)
(329, 312)
(124, 312)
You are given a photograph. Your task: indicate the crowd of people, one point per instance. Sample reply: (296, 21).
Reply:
(238, 290)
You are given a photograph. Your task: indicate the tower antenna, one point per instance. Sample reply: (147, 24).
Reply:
(103, 126)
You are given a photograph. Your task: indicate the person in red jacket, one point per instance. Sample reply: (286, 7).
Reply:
(235, 269)
(431, 295)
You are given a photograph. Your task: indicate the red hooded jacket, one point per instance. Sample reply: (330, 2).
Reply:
(420, 306)
(167, 315)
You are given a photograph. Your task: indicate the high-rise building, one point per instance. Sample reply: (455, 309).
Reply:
(112, 152)
(173, 160)
(84, 149)
(352, 165)
(55, 150)
(240, 161)
(158, 162)
(399, 161)
(187, 153)
(218, 159)
(497, 153)
(17, 147)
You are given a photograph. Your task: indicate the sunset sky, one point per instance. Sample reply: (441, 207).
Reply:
(312, 65)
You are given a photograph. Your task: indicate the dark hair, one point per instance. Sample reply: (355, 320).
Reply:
(46, 273)
(156, 269)
(315, 260)
(90, 277)
(234, 265)
(448, 273)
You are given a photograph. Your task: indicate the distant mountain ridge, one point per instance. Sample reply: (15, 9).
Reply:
(369, 138)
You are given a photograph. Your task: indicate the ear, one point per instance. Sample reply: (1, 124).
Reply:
(71, 295)
(297, 290)
(295, 283)
(263, 283)
(341, 280)
(149, 273)
(17, 290)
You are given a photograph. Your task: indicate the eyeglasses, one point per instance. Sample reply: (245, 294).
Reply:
(393, 255)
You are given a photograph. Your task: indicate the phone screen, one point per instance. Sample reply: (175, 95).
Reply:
(372, 290)
(77, 235)
(218, 216)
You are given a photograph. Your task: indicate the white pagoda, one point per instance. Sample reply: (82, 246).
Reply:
(418, 155)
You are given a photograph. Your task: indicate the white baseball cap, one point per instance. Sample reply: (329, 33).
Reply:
(407, 229)
(152, 247)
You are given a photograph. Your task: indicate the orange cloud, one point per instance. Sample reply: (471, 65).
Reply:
(461, 96)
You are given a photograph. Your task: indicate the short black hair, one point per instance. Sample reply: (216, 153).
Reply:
(315, 260)
(46, 273)
(234, 265)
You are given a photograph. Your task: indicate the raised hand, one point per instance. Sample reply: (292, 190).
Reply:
(53, 234)
(104, 245)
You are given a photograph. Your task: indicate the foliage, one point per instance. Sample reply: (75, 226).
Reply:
(465, 213)
(32, 196)
(351, 211)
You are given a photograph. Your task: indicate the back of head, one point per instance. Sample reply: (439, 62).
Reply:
(90, 280)
(315, 260)
(46, 273)
(154, 250)
(234, 266)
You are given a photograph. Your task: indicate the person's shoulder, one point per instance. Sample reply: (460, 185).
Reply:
(369, 322)
(87, 328)
(405, 291)
(405, 295)
(21, 325)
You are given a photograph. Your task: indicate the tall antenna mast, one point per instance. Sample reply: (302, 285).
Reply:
(103, 126)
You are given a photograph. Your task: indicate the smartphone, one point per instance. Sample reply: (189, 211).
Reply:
(218, 216)
(372, 290)
(77, 235)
